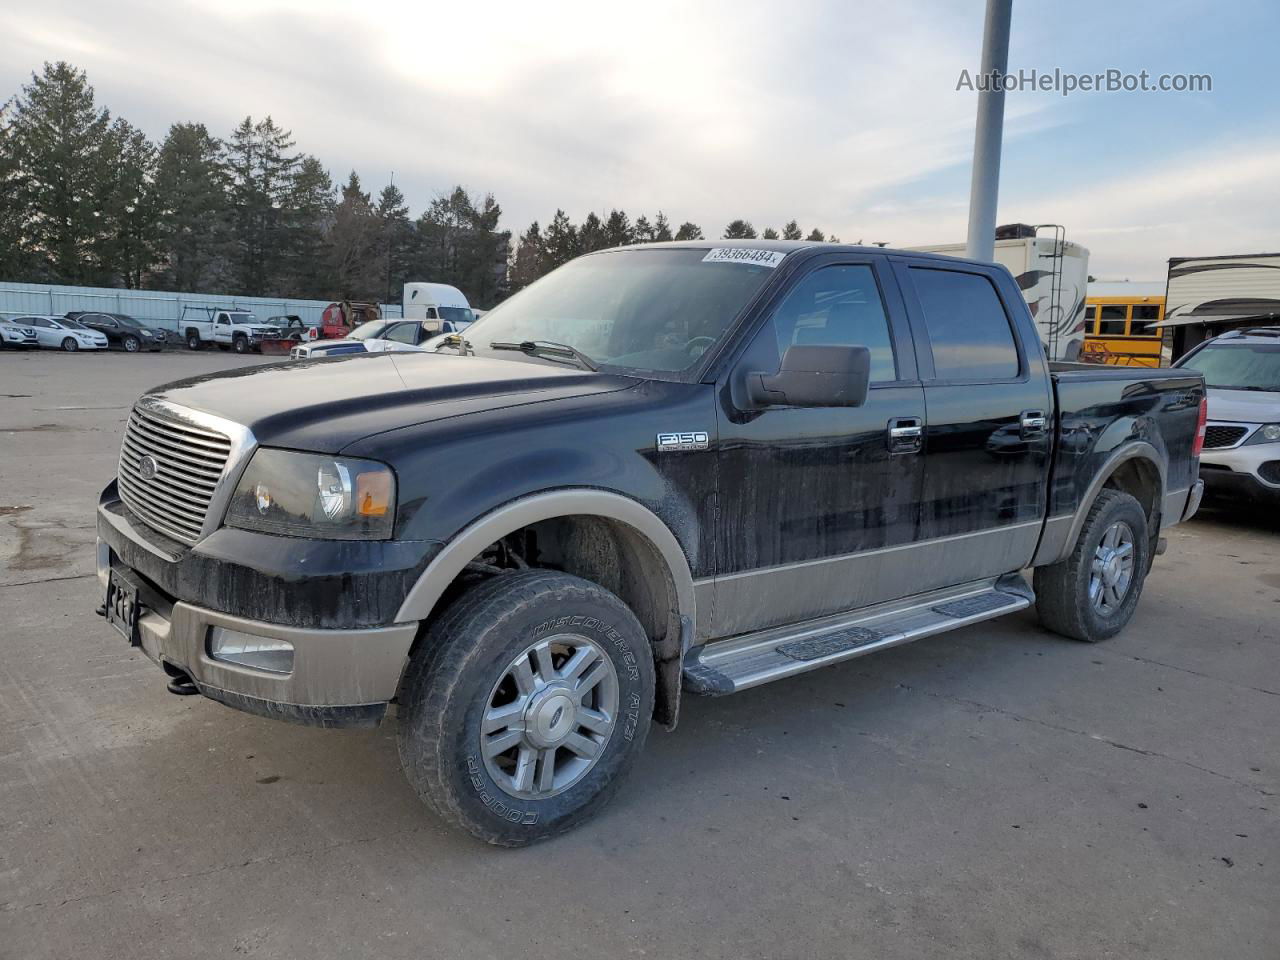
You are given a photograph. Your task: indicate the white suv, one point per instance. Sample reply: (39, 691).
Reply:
(1242, 437)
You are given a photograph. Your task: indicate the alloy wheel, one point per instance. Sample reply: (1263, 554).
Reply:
(549, 716)
(1111, 575)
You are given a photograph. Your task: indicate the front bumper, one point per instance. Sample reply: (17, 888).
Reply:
(335, 606)
(1242, 471)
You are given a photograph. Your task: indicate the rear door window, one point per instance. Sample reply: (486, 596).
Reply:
(968, 328)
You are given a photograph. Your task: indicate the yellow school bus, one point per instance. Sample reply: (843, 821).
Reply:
(1117, 331)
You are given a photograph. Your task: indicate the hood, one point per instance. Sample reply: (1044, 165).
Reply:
(1244, 406)
(326, 404)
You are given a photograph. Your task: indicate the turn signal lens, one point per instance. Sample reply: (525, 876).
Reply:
(373, 494)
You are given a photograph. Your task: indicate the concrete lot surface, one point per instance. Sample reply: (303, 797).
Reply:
(997, 792)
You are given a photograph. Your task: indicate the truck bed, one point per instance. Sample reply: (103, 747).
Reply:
(1101, 408)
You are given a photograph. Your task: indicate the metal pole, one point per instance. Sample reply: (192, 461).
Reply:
(985, 185)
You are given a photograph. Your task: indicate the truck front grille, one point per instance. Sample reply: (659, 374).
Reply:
(169, 471)
(1220, 435)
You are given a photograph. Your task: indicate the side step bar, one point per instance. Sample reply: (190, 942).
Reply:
(739, 663)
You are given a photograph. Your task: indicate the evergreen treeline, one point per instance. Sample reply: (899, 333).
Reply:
(86, 198)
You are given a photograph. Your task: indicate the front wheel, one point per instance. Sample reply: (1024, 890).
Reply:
(240, 345)
(70, 345)
(1092, 594)
(526, 705)
(132, 344)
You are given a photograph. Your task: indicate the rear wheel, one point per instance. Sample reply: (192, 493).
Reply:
(69, 344)
(526, 706)
(193, 340)
(131, 344)
(1092, 594)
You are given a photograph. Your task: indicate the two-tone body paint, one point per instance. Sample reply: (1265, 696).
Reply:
(787, 513)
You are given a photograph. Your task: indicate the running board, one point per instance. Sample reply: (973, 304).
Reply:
(739, 663)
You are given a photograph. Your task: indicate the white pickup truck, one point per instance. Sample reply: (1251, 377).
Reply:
(236, 330)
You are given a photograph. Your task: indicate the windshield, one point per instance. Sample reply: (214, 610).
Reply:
(125, 321)
(369, 331)
(1238, 366)
(651, 311)
(459, 315)
(242, 318)
(71, 324)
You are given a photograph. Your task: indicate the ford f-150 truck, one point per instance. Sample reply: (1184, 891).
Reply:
(669, 469)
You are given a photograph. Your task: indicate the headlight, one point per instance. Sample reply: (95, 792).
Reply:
(1267, 433)
(311, 495)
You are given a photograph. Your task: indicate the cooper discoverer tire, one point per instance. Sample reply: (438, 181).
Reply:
(526, 706)
(1092, 594)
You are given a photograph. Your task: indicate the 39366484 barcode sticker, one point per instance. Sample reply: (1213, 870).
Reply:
(753, 258)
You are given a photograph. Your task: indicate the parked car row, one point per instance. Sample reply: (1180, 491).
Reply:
(78, 330)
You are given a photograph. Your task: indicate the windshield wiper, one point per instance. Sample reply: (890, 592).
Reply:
(550, 350)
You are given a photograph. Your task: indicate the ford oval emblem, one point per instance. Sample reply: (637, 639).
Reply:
(148, 468)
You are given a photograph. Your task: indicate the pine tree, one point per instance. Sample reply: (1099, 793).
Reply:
(560, 241)
(530, 261)
(739, 230)
(792, 231)
(353, 244)
(816, 235)
(643, 231)
(58, 139)
(689, 231)
(459, 243)
(15, 257)
(191, 208)
(128, 243)
(662, 228)
(395, 240)
(769, 234)
(618, 231)
(308, 218)
(592, 235)
(261, 169)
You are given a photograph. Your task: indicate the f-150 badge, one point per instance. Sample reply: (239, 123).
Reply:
(692, 440)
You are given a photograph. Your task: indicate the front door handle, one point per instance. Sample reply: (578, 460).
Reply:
(906, 435)
(1033, 424)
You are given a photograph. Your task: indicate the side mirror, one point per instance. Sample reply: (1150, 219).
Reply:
(815, 376)
(431, 326)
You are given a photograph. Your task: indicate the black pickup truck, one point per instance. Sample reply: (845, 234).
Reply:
(665, 469)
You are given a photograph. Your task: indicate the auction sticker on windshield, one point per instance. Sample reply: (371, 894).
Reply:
(755, 258)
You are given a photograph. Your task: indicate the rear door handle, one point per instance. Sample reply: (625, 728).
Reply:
(906, 435)
(1033, 424)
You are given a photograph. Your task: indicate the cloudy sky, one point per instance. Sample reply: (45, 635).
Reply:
(841, 114)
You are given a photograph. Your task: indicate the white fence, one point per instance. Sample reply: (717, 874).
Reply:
(158, 308)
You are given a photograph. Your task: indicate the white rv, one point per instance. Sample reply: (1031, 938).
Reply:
(1053, 275)
(1207, 296)
(438, 301)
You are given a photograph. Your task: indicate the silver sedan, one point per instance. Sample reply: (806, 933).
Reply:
(59, 333)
